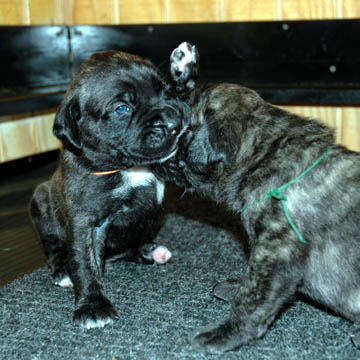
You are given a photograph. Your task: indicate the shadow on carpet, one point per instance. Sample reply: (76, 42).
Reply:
(160, 305)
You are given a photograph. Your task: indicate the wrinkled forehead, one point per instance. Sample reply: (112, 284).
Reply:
(114, 73)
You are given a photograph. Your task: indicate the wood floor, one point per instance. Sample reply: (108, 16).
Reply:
(20, 250)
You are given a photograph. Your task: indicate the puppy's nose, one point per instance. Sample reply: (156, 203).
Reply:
(170, 125)
(173, 126)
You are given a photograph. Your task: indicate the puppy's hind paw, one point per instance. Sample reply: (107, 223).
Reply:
(161, 255)
(95, 313)
(150, 253)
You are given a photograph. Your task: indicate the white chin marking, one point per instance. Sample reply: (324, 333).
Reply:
(65, 282)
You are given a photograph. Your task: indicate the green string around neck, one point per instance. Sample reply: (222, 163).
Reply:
(277, 193)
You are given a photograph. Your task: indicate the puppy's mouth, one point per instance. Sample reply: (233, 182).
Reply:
(158, 148)
(170, 155)
(160, 155)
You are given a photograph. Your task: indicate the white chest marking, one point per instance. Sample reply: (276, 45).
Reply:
(141, 177)
(160, 187)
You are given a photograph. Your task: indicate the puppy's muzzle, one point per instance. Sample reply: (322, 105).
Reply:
(169, 121)
(162, 128)
(168, 126)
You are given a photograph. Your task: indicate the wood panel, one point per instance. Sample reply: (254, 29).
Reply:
(249, 10)
(141, 12)
(93, 12)
(351, 128)
(345, 120)
(183, 11)
(45, 12)
(26, 135)
(14, 12)
(41, 12)
(351, 9)
(310, 9)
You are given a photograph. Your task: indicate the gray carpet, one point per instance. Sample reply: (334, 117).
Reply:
(160, 305)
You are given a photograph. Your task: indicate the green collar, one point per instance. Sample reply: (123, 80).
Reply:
(276, 193)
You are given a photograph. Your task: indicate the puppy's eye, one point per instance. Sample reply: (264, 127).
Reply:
(122, 109)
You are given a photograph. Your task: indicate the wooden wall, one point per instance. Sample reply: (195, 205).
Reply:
(57, 12)
(31, 133)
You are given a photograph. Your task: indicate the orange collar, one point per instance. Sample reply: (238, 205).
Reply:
(105, 172)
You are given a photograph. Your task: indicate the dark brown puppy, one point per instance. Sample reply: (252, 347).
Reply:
(119, 115)
(303, 234)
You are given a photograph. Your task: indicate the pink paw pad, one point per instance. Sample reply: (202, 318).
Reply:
(161, 255)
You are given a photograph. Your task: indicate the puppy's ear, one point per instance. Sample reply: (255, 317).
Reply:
(66, 126)
(223, 144)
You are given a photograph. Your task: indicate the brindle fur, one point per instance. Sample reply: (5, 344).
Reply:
(236, 149)
(82, 218)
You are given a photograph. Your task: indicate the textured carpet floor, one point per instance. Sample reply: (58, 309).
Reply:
(160, 305)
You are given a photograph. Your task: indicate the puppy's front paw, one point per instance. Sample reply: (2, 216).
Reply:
(355, 335)
(62, 279)
(184, 64)
(95, 312)
(215, 338)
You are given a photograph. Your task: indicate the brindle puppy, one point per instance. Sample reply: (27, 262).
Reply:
(237, 148)
(119, 116)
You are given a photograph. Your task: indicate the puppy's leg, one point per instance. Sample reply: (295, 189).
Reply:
(50, 233)
(265, 287)
(184, 67)
(87, 254)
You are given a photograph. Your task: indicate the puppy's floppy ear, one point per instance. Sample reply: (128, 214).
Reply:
(66, 126)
